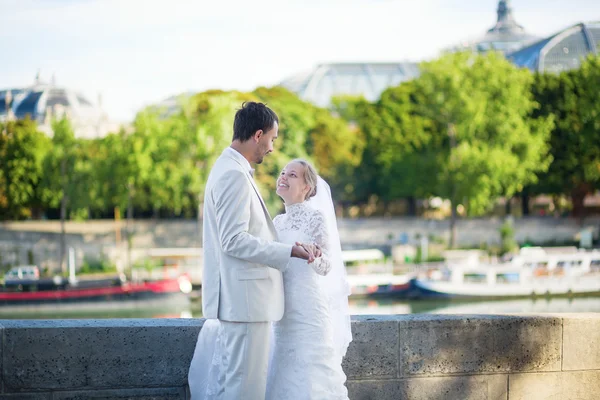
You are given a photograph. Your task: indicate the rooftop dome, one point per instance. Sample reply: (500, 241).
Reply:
(507, 35)
(42, 101)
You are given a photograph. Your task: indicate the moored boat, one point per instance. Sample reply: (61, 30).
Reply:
(534, 273)
(379, 285)
(108, 292)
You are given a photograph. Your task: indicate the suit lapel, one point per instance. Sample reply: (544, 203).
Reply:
(262, 202)
(264, 206)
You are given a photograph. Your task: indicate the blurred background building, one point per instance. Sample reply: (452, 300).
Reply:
(44, 101)
(506, 36)
(366, 79)
(561, 51)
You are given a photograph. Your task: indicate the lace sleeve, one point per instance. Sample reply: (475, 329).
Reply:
(318, 231)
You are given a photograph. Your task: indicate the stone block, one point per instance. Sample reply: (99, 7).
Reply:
(479, 387)
(572, 385)
(373, 352)
(475, 387)
(82, 354)
(388, 389)
(449, 344)
(124, 394)
(26, 396)
(581, 342)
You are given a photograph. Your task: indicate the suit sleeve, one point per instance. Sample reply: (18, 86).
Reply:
(231, 196)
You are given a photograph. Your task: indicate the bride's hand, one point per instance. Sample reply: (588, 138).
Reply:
(300, 252)
(312, 249)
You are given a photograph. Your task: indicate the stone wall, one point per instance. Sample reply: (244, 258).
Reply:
(392, 357)
(186, 233)
(40, 240)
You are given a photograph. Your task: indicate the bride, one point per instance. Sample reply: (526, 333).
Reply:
(309, 342)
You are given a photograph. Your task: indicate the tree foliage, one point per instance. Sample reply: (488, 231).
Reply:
(571, 99)
(22, 152)
(471, 128)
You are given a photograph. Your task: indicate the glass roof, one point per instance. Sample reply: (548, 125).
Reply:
(561, 51)
(366, 79)
(29, 105)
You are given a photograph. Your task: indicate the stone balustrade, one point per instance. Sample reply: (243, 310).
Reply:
(392, 357)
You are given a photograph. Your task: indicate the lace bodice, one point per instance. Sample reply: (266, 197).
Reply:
(310, 223)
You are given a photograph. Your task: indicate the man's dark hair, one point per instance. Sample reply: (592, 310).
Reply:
(252, 117)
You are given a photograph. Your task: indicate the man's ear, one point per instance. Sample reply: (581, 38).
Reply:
(258, 134)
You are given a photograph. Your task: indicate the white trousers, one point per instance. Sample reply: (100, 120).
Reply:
(245, 360)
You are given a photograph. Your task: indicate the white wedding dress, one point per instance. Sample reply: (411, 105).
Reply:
(305, 364)
(309, 342)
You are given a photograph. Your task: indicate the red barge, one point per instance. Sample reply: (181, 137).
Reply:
(106, 292)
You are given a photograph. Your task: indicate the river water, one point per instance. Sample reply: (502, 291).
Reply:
(359, 306)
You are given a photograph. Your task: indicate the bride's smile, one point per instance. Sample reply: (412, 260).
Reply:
(291, 184)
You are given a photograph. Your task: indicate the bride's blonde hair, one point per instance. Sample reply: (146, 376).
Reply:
(310, 176)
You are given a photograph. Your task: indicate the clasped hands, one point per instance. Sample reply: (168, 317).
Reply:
(306, 251)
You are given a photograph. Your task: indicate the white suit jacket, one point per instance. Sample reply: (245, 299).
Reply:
(241, 279)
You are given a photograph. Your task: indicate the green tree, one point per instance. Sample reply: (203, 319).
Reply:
(64, 177)
(364, 181)
(333, 143)
(209, 116)
(403, 147)
(120, 167)
(22, 151)
(571, 99)
(461, 130)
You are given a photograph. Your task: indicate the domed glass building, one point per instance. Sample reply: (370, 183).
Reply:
(367, 79)
(44, 101)
(371, 79)
(560, 52)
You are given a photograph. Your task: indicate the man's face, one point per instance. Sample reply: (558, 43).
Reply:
(265, 143)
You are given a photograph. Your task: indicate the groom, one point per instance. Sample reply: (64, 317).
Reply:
(242, 284)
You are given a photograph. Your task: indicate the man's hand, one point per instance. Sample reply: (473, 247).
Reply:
(313, 249)
(300, 252)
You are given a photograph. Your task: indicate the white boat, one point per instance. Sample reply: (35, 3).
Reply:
(534, 272)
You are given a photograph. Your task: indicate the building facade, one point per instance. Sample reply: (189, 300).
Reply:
(43, 102)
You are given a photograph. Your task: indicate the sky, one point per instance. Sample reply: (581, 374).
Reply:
(139, 52)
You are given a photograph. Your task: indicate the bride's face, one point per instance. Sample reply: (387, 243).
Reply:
(291, 186)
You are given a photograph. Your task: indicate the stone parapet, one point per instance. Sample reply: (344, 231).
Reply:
(392, 357)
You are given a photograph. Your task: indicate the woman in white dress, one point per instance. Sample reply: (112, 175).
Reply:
(306, 351)
(309, 342)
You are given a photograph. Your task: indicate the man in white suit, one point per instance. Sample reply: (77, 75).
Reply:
(242, 284)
